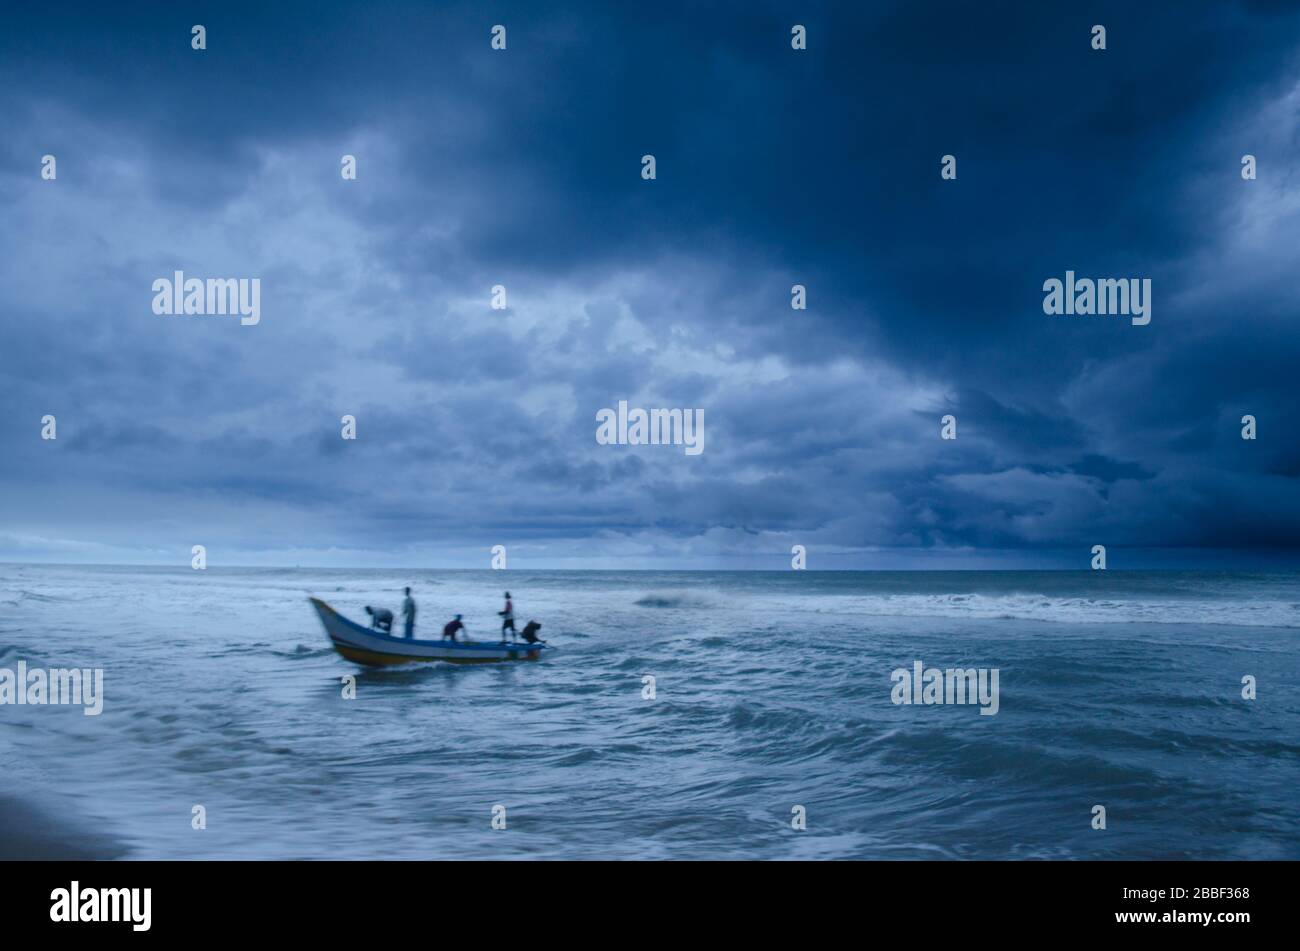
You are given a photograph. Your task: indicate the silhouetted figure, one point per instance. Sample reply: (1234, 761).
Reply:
(381, 619)
(408, 613)
(529, 633)
(507, 619)
(452, 626)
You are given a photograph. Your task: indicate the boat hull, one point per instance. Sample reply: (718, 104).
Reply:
(363, 645)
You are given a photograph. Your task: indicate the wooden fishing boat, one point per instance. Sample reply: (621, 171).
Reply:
(363, 645)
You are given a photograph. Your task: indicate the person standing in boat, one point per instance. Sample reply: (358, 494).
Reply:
(408, 615)
(507, 619)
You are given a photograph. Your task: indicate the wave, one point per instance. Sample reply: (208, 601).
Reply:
(303, 652)
(672, 601)
(16, 597)
(1235, 613)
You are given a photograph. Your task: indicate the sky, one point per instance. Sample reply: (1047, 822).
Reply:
(774, 166)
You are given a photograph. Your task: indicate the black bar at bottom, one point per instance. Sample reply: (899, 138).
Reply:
(910, 899)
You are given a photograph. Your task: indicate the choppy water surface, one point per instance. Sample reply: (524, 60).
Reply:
(773, 690)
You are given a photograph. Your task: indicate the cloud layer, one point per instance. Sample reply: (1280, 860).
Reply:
(522, 168)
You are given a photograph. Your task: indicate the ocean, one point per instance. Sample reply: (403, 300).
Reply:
(773, 707)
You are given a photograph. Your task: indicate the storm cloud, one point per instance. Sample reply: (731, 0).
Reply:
(523, 168)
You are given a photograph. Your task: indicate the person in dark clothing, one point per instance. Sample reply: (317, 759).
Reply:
(381, 619)
(529, 633)
(452, 626)
(507, 619)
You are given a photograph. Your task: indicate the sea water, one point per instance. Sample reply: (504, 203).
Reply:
(225, 732)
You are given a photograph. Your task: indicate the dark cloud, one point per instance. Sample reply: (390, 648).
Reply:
(775, 167)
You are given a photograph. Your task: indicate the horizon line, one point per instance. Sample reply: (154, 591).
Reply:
(697, 570)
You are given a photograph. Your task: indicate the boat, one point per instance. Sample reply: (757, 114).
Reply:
(364, 645)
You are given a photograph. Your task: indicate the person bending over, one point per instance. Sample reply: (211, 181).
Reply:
(381, 619)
